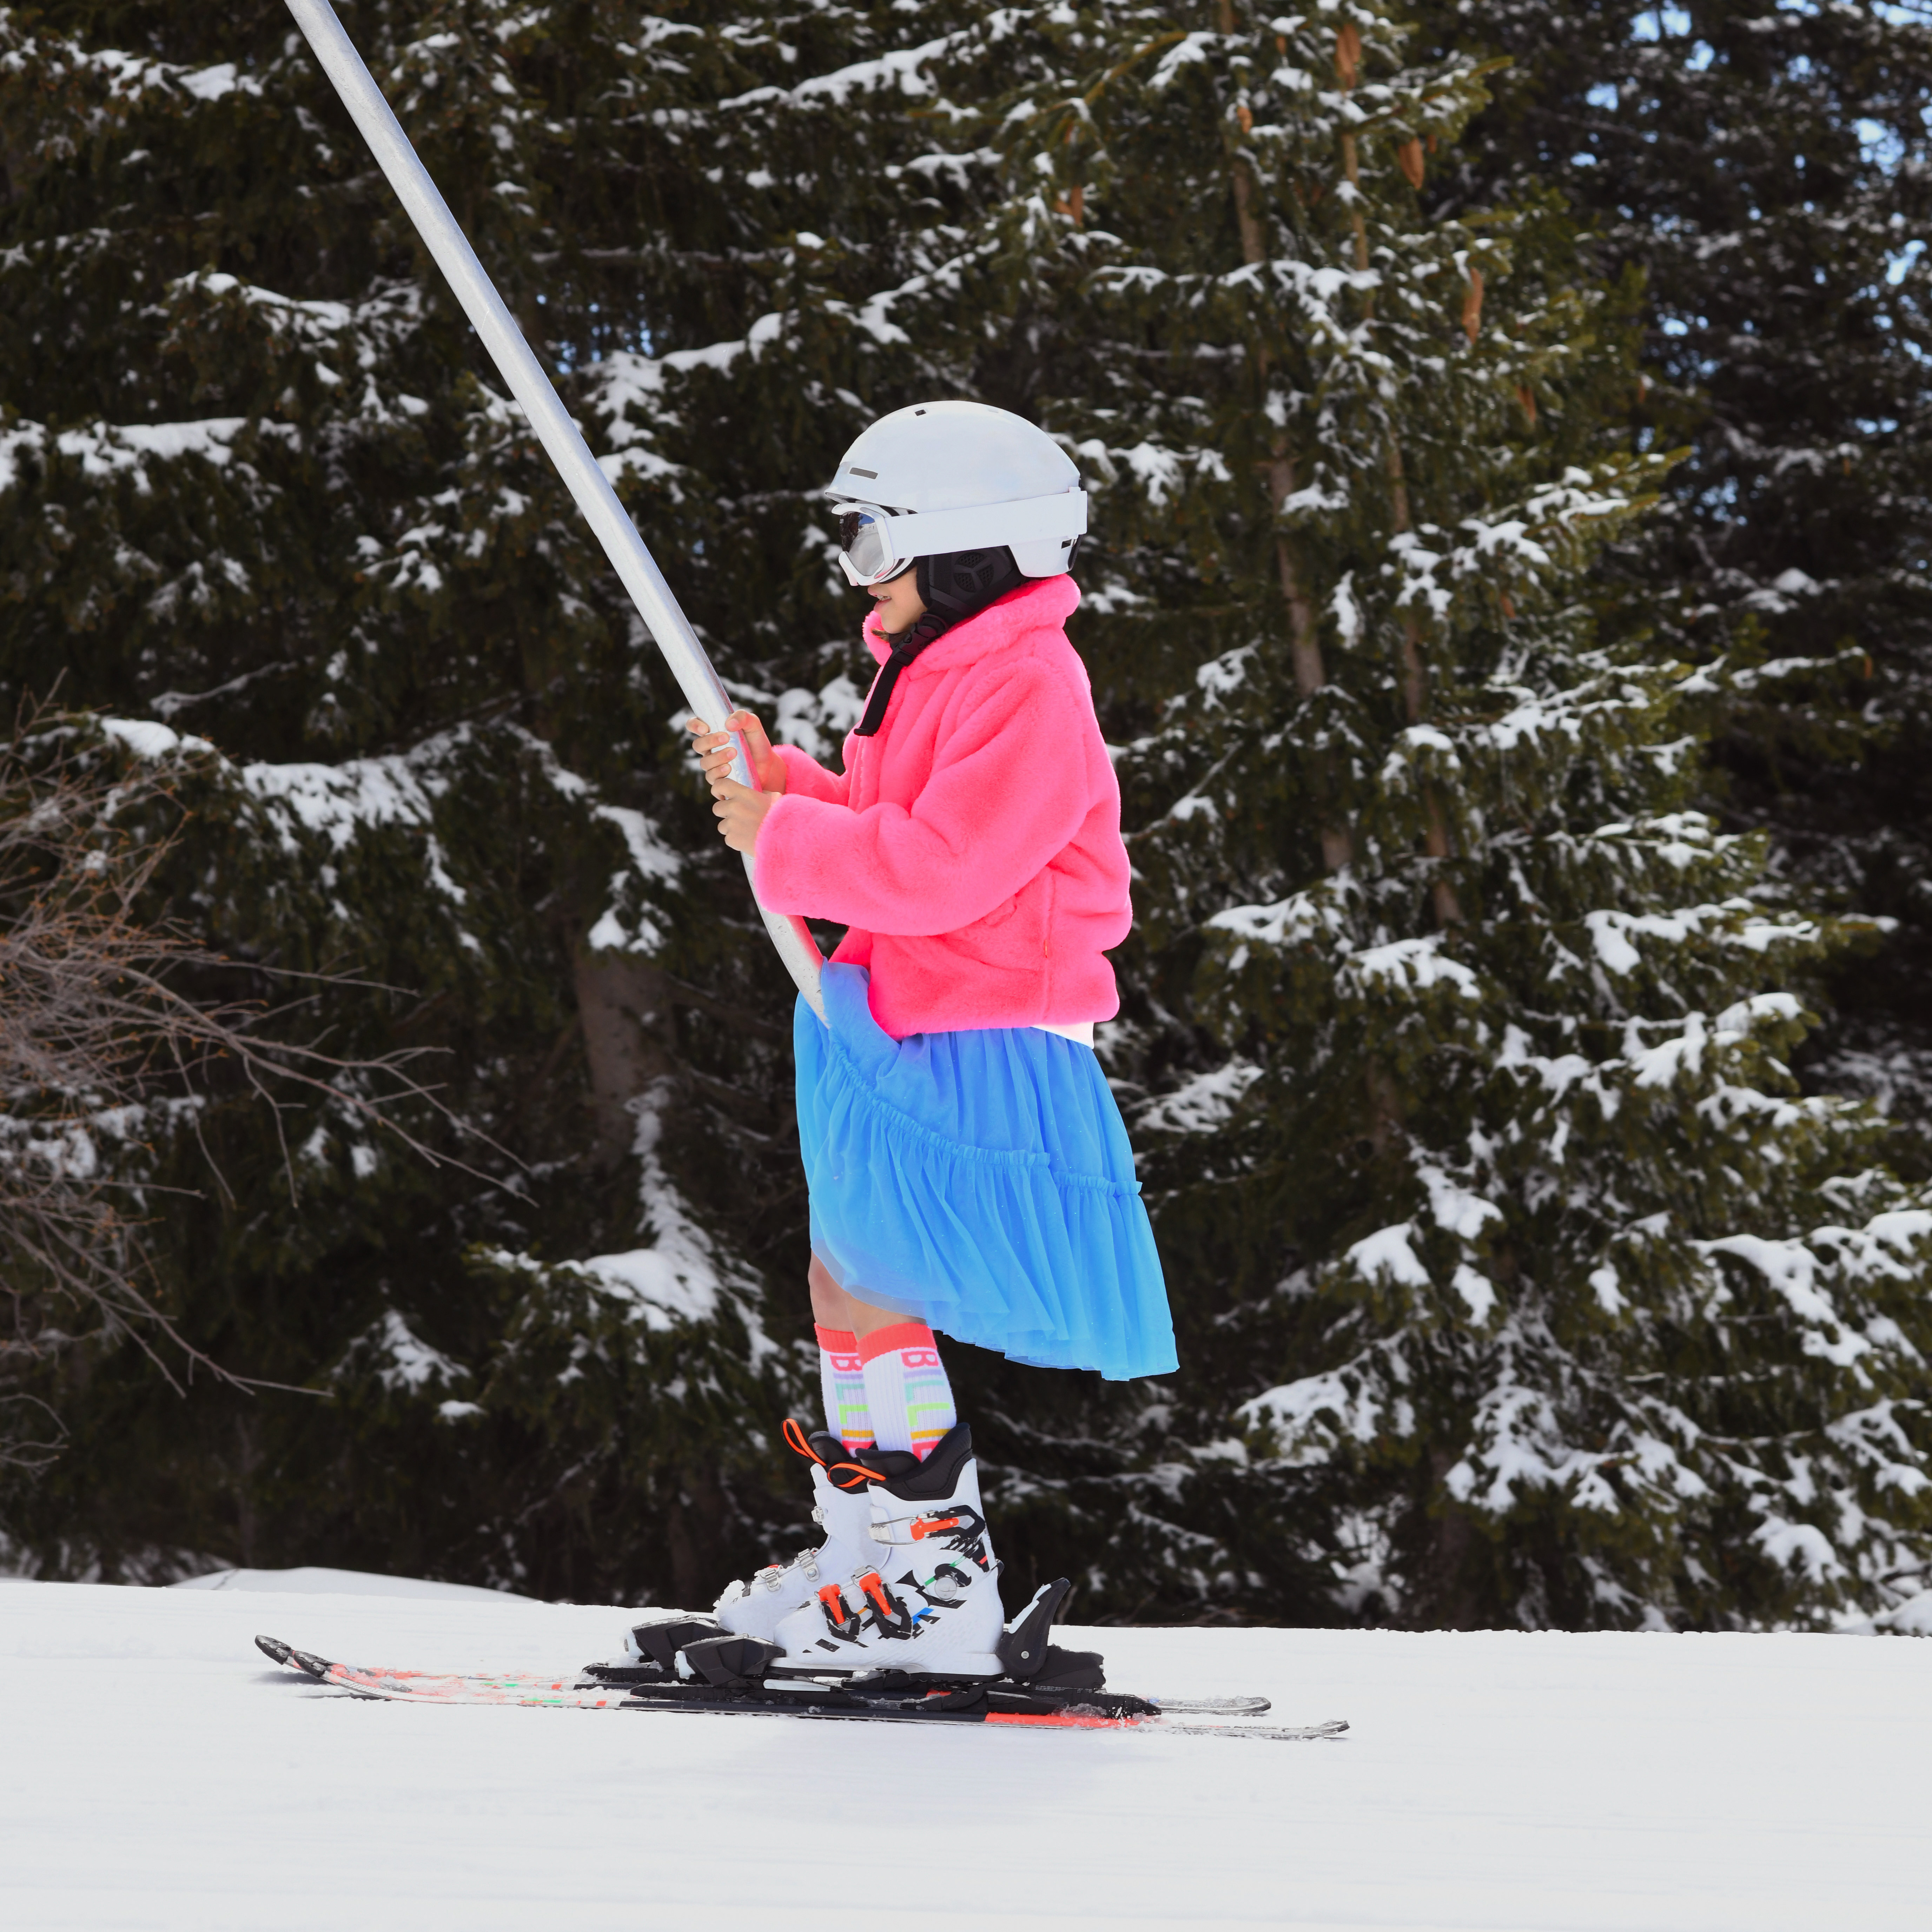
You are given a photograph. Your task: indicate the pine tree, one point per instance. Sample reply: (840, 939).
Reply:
(1452, 1035)
(1766, 167)
(260, 482)
(1519, 1284)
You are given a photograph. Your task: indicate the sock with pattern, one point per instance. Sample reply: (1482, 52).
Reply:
(906, 1389)
(841, 1377)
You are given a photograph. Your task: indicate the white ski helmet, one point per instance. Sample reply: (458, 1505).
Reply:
(939, 478)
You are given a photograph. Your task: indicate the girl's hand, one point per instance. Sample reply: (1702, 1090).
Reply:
(714, 751)
(740, 810)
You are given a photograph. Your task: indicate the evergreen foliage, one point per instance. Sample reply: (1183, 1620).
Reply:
(1767, 166)
(259, 482)
(1515, 1279)
(1476, 1031)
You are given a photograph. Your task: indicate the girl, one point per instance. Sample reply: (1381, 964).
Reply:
(967, 1167)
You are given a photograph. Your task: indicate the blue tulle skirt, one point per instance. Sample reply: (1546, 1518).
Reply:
(982, 1182)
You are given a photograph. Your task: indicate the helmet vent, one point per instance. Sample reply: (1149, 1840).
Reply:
(854, 470)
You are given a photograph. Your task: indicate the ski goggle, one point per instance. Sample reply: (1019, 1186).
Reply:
(865, 547)
(876, 543)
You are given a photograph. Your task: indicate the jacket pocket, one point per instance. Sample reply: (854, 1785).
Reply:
(1013, 935)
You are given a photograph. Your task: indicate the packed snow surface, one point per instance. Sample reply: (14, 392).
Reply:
(311, 1580)
(158, 1773)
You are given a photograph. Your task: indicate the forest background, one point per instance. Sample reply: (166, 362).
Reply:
(1508, 597)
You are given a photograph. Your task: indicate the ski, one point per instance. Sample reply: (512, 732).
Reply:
(573, 1690)
(995, 1703)
(885, 1701)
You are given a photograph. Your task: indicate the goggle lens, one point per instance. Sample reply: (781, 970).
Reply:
(863, 542)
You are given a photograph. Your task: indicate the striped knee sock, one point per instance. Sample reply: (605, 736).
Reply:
(906, 1388)
(842, 1378)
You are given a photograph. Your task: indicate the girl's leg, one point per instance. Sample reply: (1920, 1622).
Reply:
(904, 1400)
(831, 1307)
(842, 1371)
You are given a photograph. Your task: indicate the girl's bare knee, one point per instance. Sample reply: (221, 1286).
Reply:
(828, 1298)
(833, 1307)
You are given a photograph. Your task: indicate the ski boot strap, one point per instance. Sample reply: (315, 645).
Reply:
(958, 1525)
(841, 1475)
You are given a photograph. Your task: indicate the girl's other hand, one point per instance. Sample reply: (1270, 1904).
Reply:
(714, 752)
(739, 811)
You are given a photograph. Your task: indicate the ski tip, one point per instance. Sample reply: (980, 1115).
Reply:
(1330, 1733)
(1211, 1707)
(290, 1658)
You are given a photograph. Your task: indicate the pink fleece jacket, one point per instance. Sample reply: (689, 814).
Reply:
(974, 846)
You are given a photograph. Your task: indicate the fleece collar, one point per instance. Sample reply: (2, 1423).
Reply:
(1044, 603)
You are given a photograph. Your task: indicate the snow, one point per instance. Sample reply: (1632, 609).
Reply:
(1293, 921)
(146, 739)
(413, 1363)
(1387, 1252)
(649, 854)
(1464, 1214)
(1201, 1105)
(1420, 963)
(104, 449)
(211, 82)
(1913, 1618)
(664, 1287)
(338, 800)
(311, 1579)
(1477, 1290)
(159, 1775)
(817, 721)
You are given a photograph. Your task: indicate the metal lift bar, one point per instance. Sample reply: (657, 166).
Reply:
(669, 627)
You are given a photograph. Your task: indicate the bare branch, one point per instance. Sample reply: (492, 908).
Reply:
(112, 1044)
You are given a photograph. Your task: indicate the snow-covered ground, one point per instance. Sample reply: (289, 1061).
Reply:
(313, 1581)
(155, 1772)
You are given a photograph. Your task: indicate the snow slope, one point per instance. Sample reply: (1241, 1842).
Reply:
(155, 1773)
(311, 1579)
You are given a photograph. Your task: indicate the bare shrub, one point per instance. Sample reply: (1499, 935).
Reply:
(111, 1042)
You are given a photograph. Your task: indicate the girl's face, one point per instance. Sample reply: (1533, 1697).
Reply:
(898, 602)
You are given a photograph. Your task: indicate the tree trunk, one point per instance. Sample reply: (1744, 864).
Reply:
(1304, 636)
(622, 1008)
(1452, 1583)
(1415, 702)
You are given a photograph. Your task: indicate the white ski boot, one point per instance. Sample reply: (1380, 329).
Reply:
(928, 1602)
(756, 1608)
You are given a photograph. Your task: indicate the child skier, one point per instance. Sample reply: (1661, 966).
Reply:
(966, 1165)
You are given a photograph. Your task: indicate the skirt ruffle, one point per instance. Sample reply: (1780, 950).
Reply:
(981, 1182)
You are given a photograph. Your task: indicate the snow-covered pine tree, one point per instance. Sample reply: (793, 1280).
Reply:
(735, 239)
(260, 483)
(1767, 167)
(1517, 1282)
